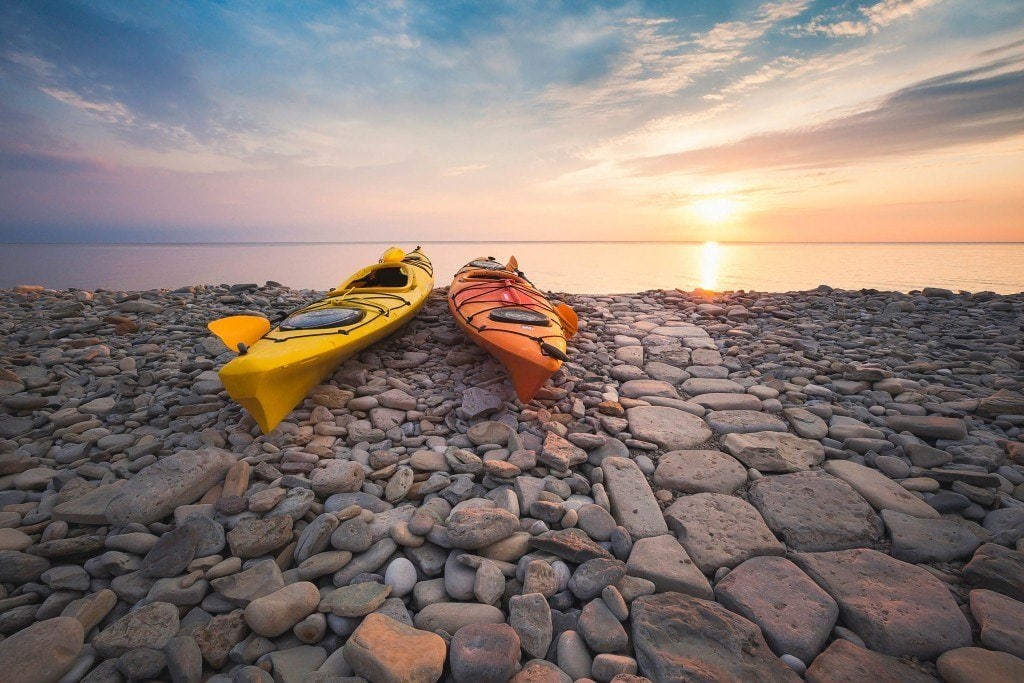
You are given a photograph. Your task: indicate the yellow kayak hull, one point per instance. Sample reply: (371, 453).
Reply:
(276, 373)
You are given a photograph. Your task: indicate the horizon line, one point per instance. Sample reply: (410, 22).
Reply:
(368, 242)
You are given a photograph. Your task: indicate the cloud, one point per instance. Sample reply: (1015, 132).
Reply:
(971, 106)
(132, 78)
(658, 60)
(874, 18)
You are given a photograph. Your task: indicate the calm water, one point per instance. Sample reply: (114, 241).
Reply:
(587, 268)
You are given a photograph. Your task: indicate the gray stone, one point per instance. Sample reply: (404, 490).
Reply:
(699, 472)
(474, 528)
(896, 608)
(591, 577)
(663, 561)
(774, 451)
(530, 615)
(795, 615)
(296, 664)
(601, 629)
(484, 653)
(805, 423)
(152, 626)
(451, 616)
(973, 664)
(669, 428)
(720, 531)
(880, 491)
(263, 578)
(845, 661)
(918, 540)
(41, 652)
(569, 544)
(743, 422)
(633, 504)
(815, 511)
(681, 638)
(175, 480)
(997, 568)
(356, 600)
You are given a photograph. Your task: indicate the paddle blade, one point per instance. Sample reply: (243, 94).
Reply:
(240, 329)
(570, 321)
(513, 264)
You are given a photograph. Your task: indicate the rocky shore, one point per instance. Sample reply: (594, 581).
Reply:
(826, 485)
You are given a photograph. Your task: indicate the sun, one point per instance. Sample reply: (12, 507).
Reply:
(715, 209)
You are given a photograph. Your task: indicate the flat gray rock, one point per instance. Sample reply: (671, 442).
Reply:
(664, 562)
(896, 608)
(727, 401)
(805, 423)
(844, 661)
(720, 531)
(997, 568)
(883, 493)
(918, 540)
(1001, 620)
(633, 504)
(814, 511)
(669, 428)
(635, 388)
(705, 385)
(794, 613)
(774, 451)
(681, 638)
(699, 472)
(176, 480)
(743, 421)
(929, 426)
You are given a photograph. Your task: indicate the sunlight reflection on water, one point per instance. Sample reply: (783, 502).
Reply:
(565, 266)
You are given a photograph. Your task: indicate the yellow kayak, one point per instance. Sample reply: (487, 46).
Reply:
(276, 368)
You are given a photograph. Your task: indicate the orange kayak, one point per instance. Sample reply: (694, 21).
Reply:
(504, 313)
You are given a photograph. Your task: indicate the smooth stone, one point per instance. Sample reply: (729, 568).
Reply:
(635, 388)
(337, 476)
(794, 614)
(727, 401)
(595, 521)
(805, 423)
(671, 429)
(42, 652)
(18, 567)
(679, 637)
(978, 665)
(918, 540)
(385, 650)
(699, 472)
(720, 531)
(175, 480)
(845, 661)
(633, 504)
(560, 454)
(814, 511)
(451, 616)
(1001, 620)
(184, 660)
(241, 588)
(541, 671)
(401, 577)
(929, 426)
(774, 451)
(296, 664)
(356, 600)
(868, 584)
(591, 577)
(663, 561)
(484, 653)
(273, 614)
(530, 616)
(601, 630)
(572, 655)
(701, 385)
(997, 568)
(881, 492)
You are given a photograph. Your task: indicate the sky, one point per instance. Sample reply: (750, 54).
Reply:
(695, 120)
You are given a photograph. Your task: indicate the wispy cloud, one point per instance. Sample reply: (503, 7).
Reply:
(970, 106)
(659, 60)
(872, 18)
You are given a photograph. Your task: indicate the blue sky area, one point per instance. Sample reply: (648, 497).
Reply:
(796, 120)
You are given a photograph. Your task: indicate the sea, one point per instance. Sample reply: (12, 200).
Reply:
(572, 267)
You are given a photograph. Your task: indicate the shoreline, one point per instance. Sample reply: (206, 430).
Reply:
(843, 451)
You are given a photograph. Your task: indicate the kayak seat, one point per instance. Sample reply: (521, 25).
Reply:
(384, 277)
